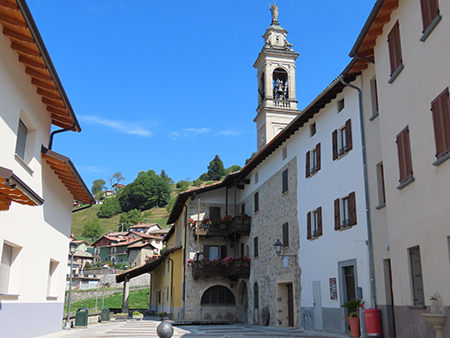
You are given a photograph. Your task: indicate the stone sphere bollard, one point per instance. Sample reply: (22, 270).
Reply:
(164, 330)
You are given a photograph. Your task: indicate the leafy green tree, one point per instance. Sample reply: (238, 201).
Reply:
(97, 188)
(92, 229)
(182, 185)
(109, 208)
(203, 177)
(232, 169)
(198, 182)
(147, 191)
(170, 205)
(130, 218)
(250, 158)
(216, 169)
(165, 177)
(115, 178)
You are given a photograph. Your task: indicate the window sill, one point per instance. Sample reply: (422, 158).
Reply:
(9, 297)
(256, 213)
(346, 227)
(407, 182)
(416, 307)
(341, 155)
(23, 164)
(313, 238)
(396, 73)
(52, 297)
(441, 160)
(285, 193)
(381, 206)
(374, 116)
(430, 28)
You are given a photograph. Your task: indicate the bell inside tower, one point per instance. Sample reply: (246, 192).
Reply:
(280, 85)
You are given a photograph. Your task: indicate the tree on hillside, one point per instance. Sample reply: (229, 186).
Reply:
(250, 158)
(216, 169)
(170, 205)
(232, 169)
(115, 178)
(165, 177)
(182, 186)
(92, 229)
(147, 191)
(97, 188)
(109, 208)
(130, 218)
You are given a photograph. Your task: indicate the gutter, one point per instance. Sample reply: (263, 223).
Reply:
(171, 286)
(50, 141)
(373, 298)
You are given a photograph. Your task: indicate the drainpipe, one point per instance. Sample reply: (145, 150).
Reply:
(373, 299)
(150, 293)
(171, 286)
(50, 141)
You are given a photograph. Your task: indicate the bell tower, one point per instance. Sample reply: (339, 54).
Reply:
(277, 104)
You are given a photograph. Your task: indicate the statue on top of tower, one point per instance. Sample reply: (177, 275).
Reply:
(274, 10)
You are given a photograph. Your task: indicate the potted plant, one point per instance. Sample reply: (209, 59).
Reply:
(138, 315)
(162, 314)
(191, 223)
(352, 315)
(120, 316)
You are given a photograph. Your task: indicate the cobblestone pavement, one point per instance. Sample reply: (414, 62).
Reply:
(147, 329)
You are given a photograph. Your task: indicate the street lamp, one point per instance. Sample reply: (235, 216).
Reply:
(72, 248)
(278, 246)
(106, 267)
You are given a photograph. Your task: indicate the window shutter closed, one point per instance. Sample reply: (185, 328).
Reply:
(308, 225)
(348, 135)
(352, 208)
(337, 216)
(404, 155)
(5, 268)
(395, 51)
(285, 235)
(223, 251)
(285, 186)
(430, 10)
(206, 251)
(255, 249)
(256, 200)
(318, 157)
(308, 171)
(319, 221)
(335, 144)
(441, 121)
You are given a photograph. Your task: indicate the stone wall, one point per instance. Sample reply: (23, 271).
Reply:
(111, 277)
(82, 294)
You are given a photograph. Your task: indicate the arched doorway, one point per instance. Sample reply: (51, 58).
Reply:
(218, 302)
(242, 305)
(256, 303)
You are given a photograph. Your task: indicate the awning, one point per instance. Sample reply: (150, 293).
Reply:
(13, 189)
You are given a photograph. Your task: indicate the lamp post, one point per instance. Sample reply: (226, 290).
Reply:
(72, 248)
(106, 267)
(278, 246)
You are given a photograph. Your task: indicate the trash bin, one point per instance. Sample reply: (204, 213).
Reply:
(373, 322)
(105, 315)
(81, 317)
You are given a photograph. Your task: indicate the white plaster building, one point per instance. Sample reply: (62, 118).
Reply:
(37, 185)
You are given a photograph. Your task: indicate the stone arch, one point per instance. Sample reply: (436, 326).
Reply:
(218, 302)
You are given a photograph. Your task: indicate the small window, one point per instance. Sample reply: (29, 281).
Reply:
(255, 247)
(380, 181)
(5, 268)
(285, 235)
(51, 288)
(21, 140)
(341, 105)
(345, 212)
(256, 177)
(313, 161)
(285, 187)
(395, 52)
(342, 140)
(312, 129)
(314, 223)
(284, 153)
(416, 276)
(256, 201)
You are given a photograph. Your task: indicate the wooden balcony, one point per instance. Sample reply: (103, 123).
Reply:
(207, 270)
(238, 270)
(213, 230)
(240, 227)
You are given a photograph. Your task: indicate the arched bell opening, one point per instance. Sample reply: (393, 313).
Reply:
(261, 87)
(280, 85)
(218, 303)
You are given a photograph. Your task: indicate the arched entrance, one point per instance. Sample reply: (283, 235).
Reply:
(218, 302)
(242, 305)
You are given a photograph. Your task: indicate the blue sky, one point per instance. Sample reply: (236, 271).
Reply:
(170, 84)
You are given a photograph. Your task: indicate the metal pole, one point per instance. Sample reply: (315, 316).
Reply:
(70, 293)
(104, 282)
(96, 299)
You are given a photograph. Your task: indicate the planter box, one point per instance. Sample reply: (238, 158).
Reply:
(138, 317)
(118, 318)
(238, 270)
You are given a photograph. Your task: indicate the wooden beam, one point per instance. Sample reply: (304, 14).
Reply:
(50, 95)
(374, 32)
(32, 72)
(67, 122)
(60, 112)
(53, 103)
(32, 63)
(44, 84)
(24, 50)
(8, 4)
(17, 36)
(12, 21)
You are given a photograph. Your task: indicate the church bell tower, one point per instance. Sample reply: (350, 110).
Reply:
(277, 104)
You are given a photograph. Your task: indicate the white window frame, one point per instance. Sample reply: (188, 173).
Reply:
(345, 211)
(342, 141)
(314, 224)
(9, 290)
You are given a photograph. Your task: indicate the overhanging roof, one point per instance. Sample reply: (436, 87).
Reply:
(13, 189)
(65, 170)
(19, 26)
(147, 267)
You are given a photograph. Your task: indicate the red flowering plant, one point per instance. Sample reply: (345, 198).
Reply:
(244, 260)
(217, 221)
(191, 223)
(215, 262)
(206, 221)
(204, 261)
(226, 219)
(244, 216)
(227, 261)
(190, 261)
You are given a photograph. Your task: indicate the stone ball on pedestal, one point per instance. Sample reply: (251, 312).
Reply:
(164, 330)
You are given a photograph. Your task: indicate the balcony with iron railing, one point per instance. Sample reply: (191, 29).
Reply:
(228, 226)
(229, 267)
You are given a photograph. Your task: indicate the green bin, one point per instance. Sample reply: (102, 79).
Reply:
(105, 315)
(81, 317)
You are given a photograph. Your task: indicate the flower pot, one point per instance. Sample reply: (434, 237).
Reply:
(354, 326)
